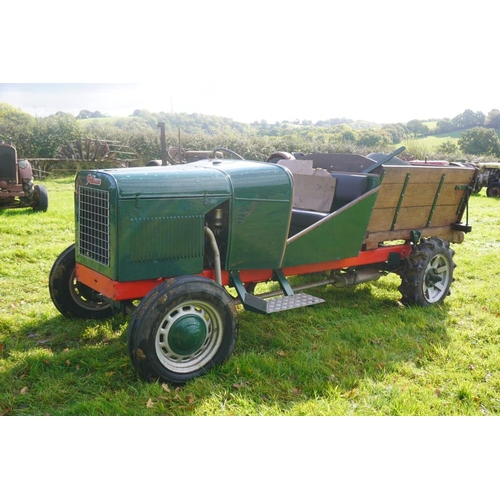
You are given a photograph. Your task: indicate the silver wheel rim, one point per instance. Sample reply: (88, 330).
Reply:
(206, 315)
(78, 296)
(437, 278)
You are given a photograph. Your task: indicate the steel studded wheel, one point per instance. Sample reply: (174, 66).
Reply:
(181, 329)
(72, 298)
(428, 273)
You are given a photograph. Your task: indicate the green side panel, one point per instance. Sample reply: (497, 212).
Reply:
(338, 237)
(141, 223)
(261, 210)
(258, 234)
(159, 238)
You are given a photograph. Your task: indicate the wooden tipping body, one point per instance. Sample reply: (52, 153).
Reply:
(430, 199)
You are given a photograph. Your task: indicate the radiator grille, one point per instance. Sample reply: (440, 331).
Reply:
(94, 224)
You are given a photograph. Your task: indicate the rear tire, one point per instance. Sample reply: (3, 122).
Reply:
(71, 298)
(182, 329)
(428, 273)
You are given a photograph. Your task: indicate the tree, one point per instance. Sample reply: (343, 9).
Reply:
(448, 148)
(480, 141)
(16, 125)
(50, 133)
(417, 127)
(445, 125)
(469, 119)
(84, 114)
(397, 131)
(373, 138)
(493, 119)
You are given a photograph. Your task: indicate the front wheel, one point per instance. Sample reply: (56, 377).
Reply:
(428, 273)
(40, 199)
(181, 329)
(72, 298)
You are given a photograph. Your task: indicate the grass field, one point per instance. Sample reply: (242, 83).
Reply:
(360, 353)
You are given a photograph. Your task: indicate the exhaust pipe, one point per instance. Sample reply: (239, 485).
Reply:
(353, 277)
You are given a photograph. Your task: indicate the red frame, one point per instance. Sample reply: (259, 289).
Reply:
(131, 290)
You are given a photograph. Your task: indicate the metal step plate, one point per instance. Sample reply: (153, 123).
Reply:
(291, 302)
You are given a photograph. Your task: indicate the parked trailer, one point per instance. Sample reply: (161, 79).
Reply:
(165, 244)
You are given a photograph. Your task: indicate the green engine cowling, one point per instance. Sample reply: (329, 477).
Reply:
(149, 222)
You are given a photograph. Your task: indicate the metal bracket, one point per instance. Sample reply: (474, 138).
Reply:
(438, 192)
(401, 196)
(415, 236)
(284, 285)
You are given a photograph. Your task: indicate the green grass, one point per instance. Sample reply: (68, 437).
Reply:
(360, 353)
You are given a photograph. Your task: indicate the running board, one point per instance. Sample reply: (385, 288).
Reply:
(288, 301)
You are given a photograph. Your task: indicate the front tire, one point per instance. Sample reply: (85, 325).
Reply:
(428, 273)
(40, 199)
(182, 329)
(493, 190)
(72, 298)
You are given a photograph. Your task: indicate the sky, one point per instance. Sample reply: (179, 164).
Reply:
(386, 61)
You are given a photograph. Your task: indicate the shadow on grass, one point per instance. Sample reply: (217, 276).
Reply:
(76, 367)
(354, 336)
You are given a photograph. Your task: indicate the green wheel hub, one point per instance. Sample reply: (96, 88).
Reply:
(187, 335)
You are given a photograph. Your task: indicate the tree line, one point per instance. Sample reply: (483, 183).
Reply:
(36, 137)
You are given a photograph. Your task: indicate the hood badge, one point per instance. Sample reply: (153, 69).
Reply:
(92, 179)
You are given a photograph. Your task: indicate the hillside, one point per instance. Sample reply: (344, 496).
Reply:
(439, 138)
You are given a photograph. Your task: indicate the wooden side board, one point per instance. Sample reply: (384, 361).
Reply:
(429, 199)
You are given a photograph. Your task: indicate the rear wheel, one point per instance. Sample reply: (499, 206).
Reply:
(428, 273)
(181, 329)
(493, 190)
(72, 298)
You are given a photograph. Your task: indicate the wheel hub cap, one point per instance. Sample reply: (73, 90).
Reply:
(187, 335)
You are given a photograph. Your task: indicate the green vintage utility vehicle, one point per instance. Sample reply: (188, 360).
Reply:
(180, 247)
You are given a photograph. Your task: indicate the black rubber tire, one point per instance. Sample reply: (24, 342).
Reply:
(428, 273)
(157, 324)
(493, 190)
(40, 199)
(71, 298)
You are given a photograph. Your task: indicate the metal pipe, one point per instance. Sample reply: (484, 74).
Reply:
(215, 250)
(337, 280)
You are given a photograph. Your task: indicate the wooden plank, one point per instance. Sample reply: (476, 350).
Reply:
(410, 218)
(418, 195)
(396, 174)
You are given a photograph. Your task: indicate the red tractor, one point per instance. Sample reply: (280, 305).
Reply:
(17, 189)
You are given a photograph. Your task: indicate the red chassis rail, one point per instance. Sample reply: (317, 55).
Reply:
(132, 290)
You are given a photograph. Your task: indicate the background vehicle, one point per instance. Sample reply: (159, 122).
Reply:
(17, 189)
(489, 177)
(180, 238)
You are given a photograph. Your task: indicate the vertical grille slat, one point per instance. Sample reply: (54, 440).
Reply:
(94, 224)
